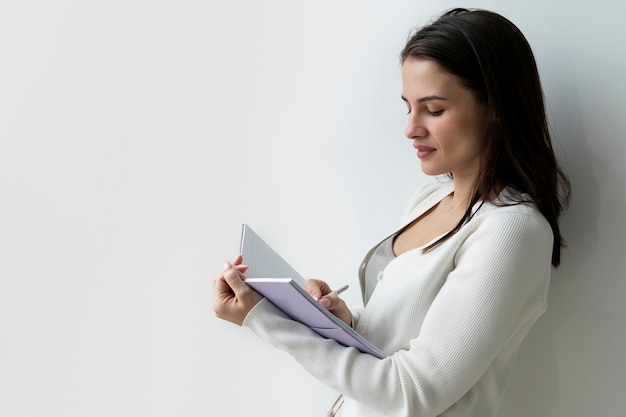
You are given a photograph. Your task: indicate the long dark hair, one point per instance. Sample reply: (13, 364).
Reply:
(493, 59)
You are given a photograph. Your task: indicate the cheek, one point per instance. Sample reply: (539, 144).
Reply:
(449, 133)
(460, 136)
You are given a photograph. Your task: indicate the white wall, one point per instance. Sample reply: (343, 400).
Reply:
(136, 136)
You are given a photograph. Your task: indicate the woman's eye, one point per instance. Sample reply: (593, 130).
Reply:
(435, 112)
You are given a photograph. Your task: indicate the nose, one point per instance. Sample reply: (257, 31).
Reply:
(415, 128)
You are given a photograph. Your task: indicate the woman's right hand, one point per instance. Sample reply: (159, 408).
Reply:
(320, 291)
(232, 298)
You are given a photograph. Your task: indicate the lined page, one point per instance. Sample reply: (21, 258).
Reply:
(262, 260)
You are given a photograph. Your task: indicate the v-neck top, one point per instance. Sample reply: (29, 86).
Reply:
(376, 265)
(451, 320)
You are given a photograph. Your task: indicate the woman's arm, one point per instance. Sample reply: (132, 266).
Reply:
(496, 290)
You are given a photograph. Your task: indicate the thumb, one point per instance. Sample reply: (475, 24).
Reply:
(316, 288)
(234, 281)
(325, 302)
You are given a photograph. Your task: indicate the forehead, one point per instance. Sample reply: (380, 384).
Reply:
(426, 77)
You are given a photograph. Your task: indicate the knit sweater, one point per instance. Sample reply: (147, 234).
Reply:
(450, 319)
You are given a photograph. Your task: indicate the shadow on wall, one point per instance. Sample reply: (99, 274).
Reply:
(535, 385)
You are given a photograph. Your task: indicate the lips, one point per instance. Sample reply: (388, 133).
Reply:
(423, 151)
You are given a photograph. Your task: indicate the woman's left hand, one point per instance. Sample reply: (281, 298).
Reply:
(232, 298)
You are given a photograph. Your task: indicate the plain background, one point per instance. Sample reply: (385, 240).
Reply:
(136, 136)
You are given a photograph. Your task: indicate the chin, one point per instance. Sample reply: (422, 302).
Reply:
(433, 172)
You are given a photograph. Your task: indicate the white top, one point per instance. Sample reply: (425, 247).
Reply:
(451, 320)
(374, 266)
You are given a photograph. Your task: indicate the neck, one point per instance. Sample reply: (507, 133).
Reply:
(464, 189)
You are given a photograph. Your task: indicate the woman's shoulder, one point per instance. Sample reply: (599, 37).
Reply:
(512, 207)
(511, 200)
(429, 194)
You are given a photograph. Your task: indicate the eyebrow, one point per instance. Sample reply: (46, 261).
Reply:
(425, 99)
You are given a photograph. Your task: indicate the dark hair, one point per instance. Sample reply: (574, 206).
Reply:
(493, 59)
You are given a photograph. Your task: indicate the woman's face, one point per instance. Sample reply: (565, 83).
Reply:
(446, 123)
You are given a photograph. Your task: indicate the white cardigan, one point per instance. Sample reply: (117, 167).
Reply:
(451, 320)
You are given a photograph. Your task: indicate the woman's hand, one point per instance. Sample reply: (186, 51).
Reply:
(232, 298)
(320, 291)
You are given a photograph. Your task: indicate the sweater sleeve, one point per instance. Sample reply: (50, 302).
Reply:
(497, 287)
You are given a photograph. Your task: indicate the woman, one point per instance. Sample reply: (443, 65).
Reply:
(452, 293)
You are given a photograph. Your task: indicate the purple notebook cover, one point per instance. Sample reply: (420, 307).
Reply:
(294, 301)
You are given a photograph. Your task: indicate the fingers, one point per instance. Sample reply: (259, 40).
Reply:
(331, 301)
(326, 302)
(221, 285)
(238, 259)
(233, 298)
(234, 279)
(316, 288)
(236, 263)
(338, 307)
(320, 291)
(240, 268)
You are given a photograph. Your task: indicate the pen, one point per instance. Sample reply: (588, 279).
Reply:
(339, 291)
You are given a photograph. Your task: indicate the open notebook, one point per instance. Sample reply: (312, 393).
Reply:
(269, 274)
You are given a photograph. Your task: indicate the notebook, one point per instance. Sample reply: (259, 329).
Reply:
(269, 274)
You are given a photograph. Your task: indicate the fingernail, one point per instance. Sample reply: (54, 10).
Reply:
(227, 266)
(325, 302)
(316, 298)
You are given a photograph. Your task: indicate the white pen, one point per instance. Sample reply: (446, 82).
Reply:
(339, 291)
